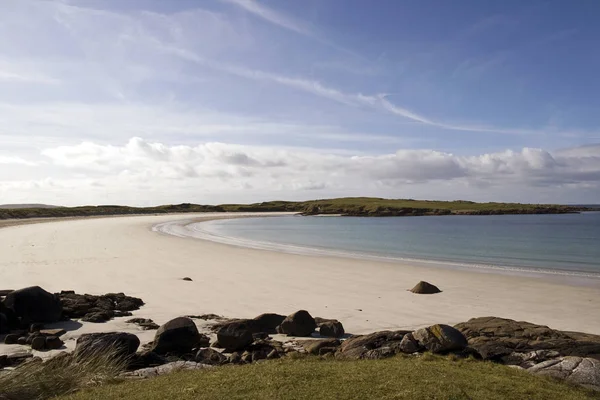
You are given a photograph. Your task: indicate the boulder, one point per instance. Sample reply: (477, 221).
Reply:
(440, 339)
(300, 323)
(97, 308)
(332, 328)
(34, 304)
(179, 335)
(425, 288)
(38, 343)
(498, 339)
(268, 322)
(210, 356)
(235, 335)
(53, 342)
(577, 370)
(124, 344)
(4, 324)
(147, 359)
(361, 347)
(408, 344)
(11, 339)
(53, 332)
(11, 322)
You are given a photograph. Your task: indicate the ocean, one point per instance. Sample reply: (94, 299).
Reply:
(560, 244)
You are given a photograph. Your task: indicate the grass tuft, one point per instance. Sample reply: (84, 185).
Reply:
(60, 376)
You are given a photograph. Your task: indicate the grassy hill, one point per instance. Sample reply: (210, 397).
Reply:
(353, 206)
(411, 378)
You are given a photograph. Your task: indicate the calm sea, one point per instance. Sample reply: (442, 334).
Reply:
(568, 243)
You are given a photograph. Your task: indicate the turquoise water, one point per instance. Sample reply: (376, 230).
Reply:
(568, 242)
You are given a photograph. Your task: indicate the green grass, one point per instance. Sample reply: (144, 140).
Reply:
(427, 377)
(364, 206)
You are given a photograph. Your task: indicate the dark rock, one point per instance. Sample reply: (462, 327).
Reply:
(408, 344)
(246, 357)
(144, 323)
(300, 323)
(188, 279)
(4, 324)
(210, 356)
(118, 314)
(38, 343)
(180, 335)
(360, 347)
(235, 358)
(500, 340)
(235, 335)
(425, 288)
(125, 344)
(36, 327)
(327, 350)
(577, 370)
(3, 361)
(268, 322)
(98, 317)
(11, 339)
(440, 339)
(260, 335)
(332, 328)
(34, 304)
(22, 341)
(53, 342)
(207, 317)
(315, 346)
(5, 292)
(146, 359)
(380, 353)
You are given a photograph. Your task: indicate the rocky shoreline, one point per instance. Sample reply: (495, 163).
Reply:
(179, 344)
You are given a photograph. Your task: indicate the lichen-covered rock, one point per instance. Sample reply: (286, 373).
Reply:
(34, 304)
(440, 339)
(180, 335)
(497, 339)
(578, 370)
(300, 323)
(361, 347)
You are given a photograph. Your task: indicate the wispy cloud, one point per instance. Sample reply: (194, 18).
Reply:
(274, 17)
(16, 161)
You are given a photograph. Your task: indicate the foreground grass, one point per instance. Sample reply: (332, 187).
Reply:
(427, 377)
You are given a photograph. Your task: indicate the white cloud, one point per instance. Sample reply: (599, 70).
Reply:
(15, 160)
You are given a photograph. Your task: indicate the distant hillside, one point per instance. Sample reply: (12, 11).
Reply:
(18, 206)
(349, 206)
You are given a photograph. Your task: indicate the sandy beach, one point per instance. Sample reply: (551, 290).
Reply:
(123, 254)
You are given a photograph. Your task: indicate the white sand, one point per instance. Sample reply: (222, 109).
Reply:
(99, 256)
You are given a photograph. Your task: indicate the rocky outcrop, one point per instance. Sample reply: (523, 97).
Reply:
(300, 323)
(577, 370)
(408, 344)
(34, 304)
(425, 288)
(164, 369)
(91, 308)
(235, 335)
(440, 339)
(179, 335)
(509, 342)
(373, 346)
(123, 344)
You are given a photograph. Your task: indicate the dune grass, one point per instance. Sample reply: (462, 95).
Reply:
(60, 376)
(402, 377)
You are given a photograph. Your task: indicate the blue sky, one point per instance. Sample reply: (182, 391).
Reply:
(147, 101)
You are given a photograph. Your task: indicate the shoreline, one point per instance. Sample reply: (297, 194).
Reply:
(104, 255)
(194, 229)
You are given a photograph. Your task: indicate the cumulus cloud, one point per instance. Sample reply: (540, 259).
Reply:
(263, 166)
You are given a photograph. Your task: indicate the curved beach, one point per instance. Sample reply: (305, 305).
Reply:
(124, 254)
